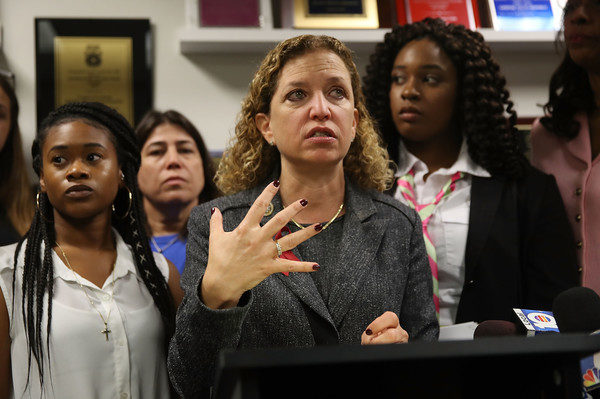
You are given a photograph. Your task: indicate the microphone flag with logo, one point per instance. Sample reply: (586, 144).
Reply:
(536, 321)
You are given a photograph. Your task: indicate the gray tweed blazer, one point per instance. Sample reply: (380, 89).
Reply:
(382, 266)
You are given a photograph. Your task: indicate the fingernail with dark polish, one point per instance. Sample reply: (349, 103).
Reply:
(276, 183)
(303, 202)
(319, 227)
(369, 332)
(212, 210)
(316, 267)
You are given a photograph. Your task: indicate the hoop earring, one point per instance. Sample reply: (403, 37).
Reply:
(37, 206)
(130, 196)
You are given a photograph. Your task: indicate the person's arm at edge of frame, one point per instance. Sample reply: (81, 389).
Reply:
(5, 366)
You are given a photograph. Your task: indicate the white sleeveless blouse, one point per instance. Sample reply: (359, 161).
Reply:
(83, 364)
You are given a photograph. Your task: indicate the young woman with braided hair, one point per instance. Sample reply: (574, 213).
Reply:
(496, 232)
(86, 309)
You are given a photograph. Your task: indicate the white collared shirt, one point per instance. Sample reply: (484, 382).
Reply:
(449, 223)
(131, 364)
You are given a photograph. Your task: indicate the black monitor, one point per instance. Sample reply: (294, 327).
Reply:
(509, 367)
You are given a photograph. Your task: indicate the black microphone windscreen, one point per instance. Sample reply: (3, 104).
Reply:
(577, 310)
(495, 328)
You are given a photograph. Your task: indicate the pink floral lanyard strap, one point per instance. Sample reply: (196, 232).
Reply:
(406, 184)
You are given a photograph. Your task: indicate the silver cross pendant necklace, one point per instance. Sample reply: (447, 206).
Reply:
(106, 329)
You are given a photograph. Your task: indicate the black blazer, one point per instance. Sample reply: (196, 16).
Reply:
(520, 248)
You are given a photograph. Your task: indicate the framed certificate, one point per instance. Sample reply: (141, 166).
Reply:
(335, 14)
(108, 61)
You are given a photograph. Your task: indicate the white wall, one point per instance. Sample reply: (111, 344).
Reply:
(206, 88)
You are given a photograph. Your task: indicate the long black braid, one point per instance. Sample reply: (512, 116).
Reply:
(484, 113)
(128, 219)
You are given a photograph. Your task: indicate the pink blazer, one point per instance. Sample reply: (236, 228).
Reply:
(578, 178)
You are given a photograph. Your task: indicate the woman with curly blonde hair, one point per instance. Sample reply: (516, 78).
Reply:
(250, 158)
(305, 173)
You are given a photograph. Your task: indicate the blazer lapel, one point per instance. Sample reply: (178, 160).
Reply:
(361, 237)
(301, 284)
(485, 198)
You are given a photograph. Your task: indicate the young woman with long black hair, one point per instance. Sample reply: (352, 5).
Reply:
(87, 310)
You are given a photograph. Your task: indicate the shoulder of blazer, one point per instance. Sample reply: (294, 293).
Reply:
(527, 190)
(534, 182)
(535, 176)
(388, 205)
(533, 190)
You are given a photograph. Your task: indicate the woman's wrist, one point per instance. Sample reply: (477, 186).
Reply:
(215, 297)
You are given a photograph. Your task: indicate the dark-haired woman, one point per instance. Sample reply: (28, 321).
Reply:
(86, 310)
(16, 198)
(566, 142)
(495, 230)
(176, 174)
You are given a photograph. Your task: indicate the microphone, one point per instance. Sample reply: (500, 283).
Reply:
(495, 328)
(577, 310)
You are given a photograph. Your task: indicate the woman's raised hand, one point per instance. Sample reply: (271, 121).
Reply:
(239, 260)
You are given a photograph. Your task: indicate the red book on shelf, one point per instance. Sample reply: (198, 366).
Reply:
(401, 12)
(229, 12)
(452, 11)
(476, 13)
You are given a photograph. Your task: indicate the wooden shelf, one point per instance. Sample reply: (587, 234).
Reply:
(260, 40)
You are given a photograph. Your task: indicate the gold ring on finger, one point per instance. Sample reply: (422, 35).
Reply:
(269, 209)
(279, 251)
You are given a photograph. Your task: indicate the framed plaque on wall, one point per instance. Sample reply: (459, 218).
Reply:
(104, 60)
(335, 14)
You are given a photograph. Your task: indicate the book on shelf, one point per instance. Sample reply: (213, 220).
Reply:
(229, 13)
(525, 15)
(386, 9)
(452, 11)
